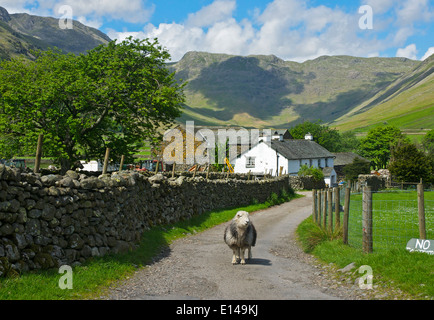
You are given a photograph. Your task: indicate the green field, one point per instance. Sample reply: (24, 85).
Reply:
(394, 223)
(395, 219)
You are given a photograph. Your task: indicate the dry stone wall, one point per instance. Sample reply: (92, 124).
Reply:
(50, 220)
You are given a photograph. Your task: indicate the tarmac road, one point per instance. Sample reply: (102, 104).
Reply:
(199, 266)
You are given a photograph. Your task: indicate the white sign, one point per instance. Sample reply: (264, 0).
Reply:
(421, 245)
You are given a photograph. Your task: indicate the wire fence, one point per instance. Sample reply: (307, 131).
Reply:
(394, 217)
(394, 221)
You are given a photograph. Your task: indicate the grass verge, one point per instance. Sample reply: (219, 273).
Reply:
(92, 279)
(413, 273)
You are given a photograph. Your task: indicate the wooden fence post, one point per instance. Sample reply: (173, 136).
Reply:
(319, 206)
(122, 163)
(173, 169)
(156, 168)
(314, 205)
(346, 213)
(324, 208)
(421, 210)
(195, 170)
(367, 220)
(38, 154)
(106, 158)
(330, 208)
(207, 171)
(337, 197)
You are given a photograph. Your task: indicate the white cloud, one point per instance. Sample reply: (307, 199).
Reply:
(92, 11)
(219, 10)
(429, 53)
(287, 28)
(380, 6)
(133, 11)
(97, 23)
(409, 52)
(413, 11)
(291, 29)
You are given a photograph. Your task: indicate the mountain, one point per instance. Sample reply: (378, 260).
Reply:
(265, 91)
(21, 32)
(407, 103)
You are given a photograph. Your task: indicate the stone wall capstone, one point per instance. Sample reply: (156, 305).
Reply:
(375, 182)
(50, 220)
(306, 183)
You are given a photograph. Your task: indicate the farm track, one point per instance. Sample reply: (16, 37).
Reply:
(199, 266)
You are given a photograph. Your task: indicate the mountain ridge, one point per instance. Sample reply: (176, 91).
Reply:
(20, 33)
(349, 93)
(259, 91)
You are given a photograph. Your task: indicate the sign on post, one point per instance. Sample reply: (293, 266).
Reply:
(421, 245)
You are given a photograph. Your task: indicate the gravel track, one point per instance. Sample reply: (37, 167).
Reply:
(199, 266)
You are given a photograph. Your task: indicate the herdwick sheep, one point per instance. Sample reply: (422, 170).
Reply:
(240, 235)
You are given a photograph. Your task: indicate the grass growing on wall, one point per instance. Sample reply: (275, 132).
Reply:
(92, 278)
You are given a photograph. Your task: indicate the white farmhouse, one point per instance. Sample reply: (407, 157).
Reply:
(286, 156)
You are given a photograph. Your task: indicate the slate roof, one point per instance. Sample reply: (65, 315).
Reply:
(344, 158)
(300, 149)
(327, 171)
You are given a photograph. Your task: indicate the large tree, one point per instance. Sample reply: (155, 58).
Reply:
(428, 146)
(325, 136)
(409, 164)
(376, 145)
(117, 95)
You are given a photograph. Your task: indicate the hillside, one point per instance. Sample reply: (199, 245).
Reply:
(21, 32)
(348, 93)
(407, 103)
(264, 91)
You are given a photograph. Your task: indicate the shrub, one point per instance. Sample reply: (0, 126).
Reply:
(316, 173)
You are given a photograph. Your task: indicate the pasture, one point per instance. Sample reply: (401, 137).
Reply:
(395, 219)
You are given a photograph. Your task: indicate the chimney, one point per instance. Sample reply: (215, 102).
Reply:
(277, 136)
(308, 136)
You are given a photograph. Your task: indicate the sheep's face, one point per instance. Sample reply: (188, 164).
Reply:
(242, 219)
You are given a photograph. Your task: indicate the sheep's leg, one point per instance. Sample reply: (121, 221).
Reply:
(250, 252)
(243, 249)
(235, 255)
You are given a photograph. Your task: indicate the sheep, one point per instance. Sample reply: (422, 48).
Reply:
(240, 235)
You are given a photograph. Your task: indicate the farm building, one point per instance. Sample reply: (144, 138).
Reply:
(281, 155)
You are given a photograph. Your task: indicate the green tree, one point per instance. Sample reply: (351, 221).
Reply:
(358, 166)
(305, 170)
(428, 142)
(117, 95)
(428, 145)
(376, 145)
(322, 134)
(349, 142)
(409, 164)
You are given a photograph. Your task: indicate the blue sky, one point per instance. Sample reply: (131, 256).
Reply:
(290, 29)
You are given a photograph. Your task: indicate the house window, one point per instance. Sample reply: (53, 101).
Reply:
(250, 162)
